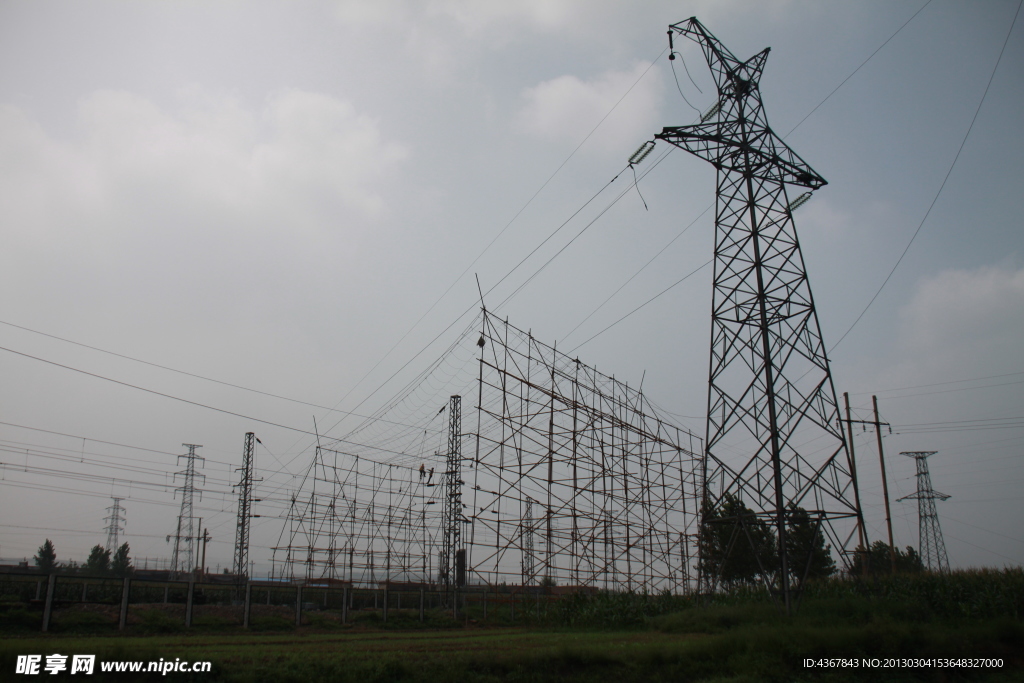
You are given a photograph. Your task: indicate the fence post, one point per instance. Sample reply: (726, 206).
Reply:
(485, 604)
(512, 600)
(298, 605)
(85, 585)
(248, 604)
(344, 605)
(189, 600)
(48, 607)
(421, 603)
(167, 590)
(385, 603)
(126, 590)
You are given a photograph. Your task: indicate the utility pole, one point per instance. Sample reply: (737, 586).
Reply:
(932, 547)
(770, 388)
(183, 557)
(205, 538)
(885, 484)
(881, 459)
(861, 531)
(114, 521)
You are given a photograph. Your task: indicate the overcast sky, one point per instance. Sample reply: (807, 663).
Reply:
(273, 194)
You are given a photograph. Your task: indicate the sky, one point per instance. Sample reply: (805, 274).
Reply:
(295, 198)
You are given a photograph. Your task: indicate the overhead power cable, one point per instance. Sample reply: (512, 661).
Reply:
(791, 130)
(942, 186)
(496, 238)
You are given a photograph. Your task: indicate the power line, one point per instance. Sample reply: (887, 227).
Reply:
(941, 186)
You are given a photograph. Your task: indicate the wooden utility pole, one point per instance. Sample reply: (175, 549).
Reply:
(205, 538)
(885, 485)
(861, 531)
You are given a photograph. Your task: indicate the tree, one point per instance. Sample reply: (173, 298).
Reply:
(122, 563)
(753, 544)
(98, 563)
(806, 548)
(46, 557)
(880, 564)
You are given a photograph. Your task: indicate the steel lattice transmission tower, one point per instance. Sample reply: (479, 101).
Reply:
(114, 521)
(183, 557)
(241, 564)
(453, 517)
(774, 440)
(932, 547)
(528, 557)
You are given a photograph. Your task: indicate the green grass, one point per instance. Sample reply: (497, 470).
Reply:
(618, 638)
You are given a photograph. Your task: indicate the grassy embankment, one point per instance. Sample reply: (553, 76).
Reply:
(740, 637)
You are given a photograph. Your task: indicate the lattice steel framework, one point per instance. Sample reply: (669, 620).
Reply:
(932, 547)
(241, 557)
(114, 524)
(567, 477)
(183, 556)
(773, 432)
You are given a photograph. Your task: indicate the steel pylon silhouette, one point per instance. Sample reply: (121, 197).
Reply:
(453, 515)
(932, 547)
(774, 440)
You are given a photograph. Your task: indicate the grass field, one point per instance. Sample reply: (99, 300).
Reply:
(616, 638)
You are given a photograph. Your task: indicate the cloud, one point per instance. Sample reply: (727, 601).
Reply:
(302, 154)
(568, 107)
(966, 319)
(472, 16)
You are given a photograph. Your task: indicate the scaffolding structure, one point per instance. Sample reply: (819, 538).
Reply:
(559, 475)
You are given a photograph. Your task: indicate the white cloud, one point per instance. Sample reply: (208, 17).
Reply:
(303, 154)
(471, 15)
(569, 107)
(967, 318)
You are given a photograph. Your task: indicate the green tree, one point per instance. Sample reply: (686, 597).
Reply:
(122, 562)
(98, 563)
(753, 543)
(879, 562)
(46, 557)
(806, 547)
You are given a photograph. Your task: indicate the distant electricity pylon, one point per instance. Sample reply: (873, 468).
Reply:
(241, 565)
(774, 440)
(451, 572)
(932, 547)
(114, 521)
(183, 557)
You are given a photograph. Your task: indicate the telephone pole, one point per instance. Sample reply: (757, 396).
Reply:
(885, 483)
(881, 461)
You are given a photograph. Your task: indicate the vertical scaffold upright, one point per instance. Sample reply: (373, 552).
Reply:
(453, 516)
(244, 507)
(774, 441)
(932, 547)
